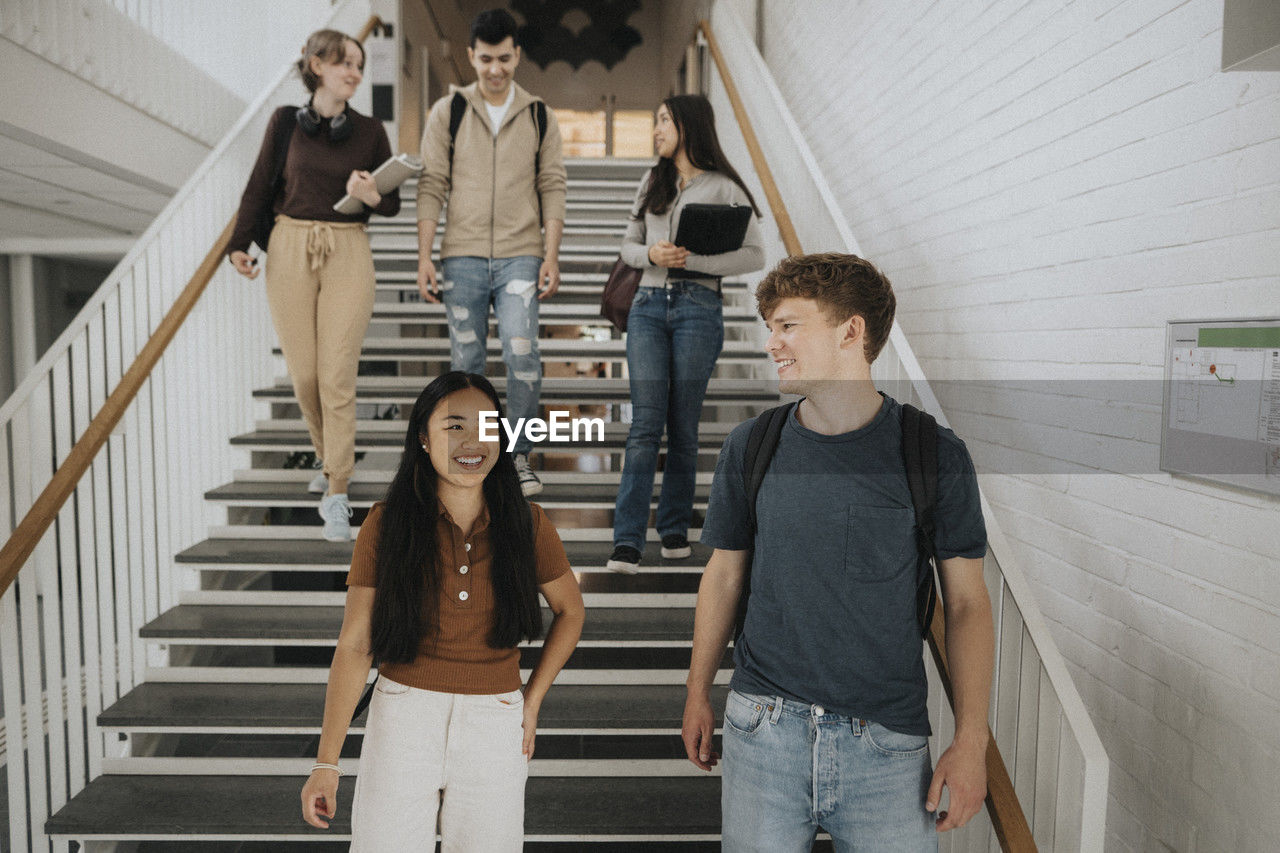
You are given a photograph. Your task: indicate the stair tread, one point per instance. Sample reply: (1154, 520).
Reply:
(211, 621)
(274, 706)
(580, 347)
(583, 391)
(145, 804)
(319, 552)
(615, 436)
(364, 494)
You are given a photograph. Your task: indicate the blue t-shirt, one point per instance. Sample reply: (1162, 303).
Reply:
(831, 619)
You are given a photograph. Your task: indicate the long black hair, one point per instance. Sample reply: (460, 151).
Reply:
(406, 604)
(696, 122)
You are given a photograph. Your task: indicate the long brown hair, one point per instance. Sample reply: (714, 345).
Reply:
(696, 123)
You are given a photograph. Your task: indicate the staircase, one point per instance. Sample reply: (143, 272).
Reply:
(214, 745)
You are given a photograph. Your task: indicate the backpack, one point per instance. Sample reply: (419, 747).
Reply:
(920, 456)
(538, 110)
(265, 219)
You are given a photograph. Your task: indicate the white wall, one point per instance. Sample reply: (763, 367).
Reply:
(240, 43)
(632, 81)
(1046, 184)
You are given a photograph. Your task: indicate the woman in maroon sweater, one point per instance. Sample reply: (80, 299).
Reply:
(320, 281)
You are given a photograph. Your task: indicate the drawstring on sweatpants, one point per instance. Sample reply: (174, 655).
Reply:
(320, 244)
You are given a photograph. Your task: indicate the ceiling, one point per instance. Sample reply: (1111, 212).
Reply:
(45, 194)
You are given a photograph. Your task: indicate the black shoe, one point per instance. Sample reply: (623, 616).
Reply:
(529, 482)
(675, 547)
(624, 559)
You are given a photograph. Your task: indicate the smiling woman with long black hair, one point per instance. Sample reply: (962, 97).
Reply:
(675, 328)
(443, 585)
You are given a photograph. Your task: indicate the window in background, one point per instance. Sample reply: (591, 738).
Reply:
(633, 133)
(584, 133)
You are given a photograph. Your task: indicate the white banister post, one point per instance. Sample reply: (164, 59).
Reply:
(22, 315)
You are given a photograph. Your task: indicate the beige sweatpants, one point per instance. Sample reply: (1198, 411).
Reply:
(320, 287)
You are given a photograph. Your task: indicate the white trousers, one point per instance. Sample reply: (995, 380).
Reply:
(455, 755)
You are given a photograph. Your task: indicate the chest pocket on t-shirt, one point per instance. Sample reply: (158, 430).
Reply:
(879, 542)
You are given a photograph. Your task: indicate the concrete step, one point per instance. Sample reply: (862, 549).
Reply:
(223, 808)
(635, 596)
(213, 624)
(550, 312)
(322, 846)
(566, 495)
(579, 237)
(556, 349)
(389, 435)
(298, 708)
(584, 390)
(315, 554)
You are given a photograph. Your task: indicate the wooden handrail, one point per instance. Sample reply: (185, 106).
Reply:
(22, 542)
(790, 240)
(1007, 817)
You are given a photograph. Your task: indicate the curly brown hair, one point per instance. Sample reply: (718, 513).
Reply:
(328, 46)
(842, 285)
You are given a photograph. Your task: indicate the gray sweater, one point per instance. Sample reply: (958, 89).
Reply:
(643, 232)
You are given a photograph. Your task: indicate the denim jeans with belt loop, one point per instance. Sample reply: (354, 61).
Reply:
(791, 768)
(674, 336)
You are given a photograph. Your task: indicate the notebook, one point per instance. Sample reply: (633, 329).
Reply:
(712, 229)
(388, 176)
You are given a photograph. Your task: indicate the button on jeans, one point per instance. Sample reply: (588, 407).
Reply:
(790, 768)
(674, 336)
(511, 285)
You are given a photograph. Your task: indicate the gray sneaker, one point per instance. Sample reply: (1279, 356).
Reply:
(336, 512)
(529, 482)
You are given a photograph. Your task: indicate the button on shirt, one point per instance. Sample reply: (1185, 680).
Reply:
(460, 659)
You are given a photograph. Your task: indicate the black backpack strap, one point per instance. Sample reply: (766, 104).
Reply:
(762, 441)
(920, 455)
(285, 126)
(457, 109)
(538, 110)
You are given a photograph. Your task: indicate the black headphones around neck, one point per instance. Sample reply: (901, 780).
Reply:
(310, 122)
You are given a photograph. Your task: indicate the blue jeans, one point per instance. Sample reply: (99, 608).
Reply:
(674, 336)
(790, 768)
(511, 284)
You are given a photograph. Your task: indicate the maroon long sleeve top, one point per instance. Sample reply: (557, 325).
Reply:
(315, 175)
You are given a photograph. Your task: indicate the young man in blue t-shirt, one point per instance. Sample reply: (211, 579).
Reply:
(826, 723)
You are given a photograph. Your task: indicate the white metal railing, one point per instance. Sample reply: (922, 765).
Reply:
(69, 641)
(100, 44)
(1049, 744)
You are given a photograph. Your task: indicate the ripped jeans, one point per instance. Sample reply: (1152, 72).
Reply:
(510, 284)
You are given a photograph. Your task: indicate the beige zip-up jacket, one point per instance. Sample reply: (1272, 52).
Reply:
(493, 196)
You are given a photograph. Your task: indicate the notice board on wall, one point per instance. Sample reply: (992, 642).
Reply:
(1221, 418)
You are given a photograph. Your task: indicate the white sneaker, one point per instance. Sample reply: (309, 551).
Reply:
(529, 482)
(336, 512)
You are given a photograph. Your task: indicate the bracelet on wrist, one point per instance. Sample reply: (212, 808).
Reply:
(320, 765)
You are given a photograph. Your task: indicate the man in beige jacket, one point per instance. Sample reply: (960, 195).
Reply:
(493, 151)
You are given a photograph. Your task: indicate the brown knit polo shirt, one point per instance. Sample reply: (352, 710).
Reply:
(461, 660)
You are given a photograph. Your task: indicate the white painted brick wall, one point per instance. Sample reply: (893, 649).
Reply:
(1047, 183)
